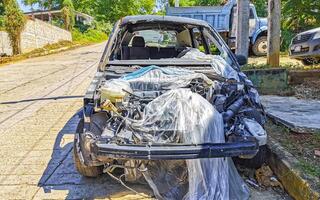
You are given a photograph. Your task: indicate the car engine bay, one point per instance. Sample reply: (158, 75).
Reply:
(152, 106)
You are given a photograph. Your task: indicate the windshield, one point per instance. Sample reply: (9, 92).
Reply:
(157, 38)
(169, 41)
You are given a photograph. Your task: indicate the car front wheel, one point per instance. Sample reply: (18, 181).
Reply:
(88, 171)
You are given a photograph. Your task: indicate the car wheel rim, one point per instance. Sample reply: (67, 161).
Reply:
(262, 47)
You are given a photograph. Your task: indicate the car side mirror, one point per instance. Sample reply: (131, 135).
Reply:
(242, 60)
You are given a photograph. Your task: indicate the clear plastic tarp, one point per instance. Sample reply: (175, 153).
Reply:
(179, 115)
(219, 65)
(157, 78)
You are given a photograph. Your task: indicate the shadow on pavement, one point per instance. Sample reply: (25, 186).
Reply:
(61, 180)
(41, 99)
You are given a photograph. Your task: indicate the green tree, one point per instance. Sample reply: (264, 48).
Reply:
(261, 7)
(68, 14)
(30, 3)
(1, 15)
(209, 2)
(299, 15)
(85, 6)
(112, 10)
(1, 8)
(196, 2)
(14, 23)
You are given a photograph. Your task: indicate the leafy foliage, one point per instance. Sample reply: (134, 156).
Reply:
(1, 15)
(195, 2)
(209, 2)
(90, 36)
(1, 8)
(68, 14)
(304, 15)
(261, 7)
(14, 23)
(300, 15)
(31, 3)
(112, 10)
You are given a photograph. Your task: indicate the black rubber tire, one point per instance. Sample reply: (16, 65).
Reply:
(88, 171)
(257, 161)
(255, 46)
(308, 61)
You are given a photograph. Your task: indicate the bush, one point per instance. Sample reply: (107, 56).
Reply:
(103, 26)
(1, 23)
(286, 37)
(14, 22)
(90, 36)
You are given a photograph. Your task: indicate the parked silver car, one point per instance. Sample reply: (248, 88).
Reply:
(305, 46)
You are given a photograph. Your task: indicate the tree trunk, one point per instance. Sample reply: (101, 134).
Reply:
(242, 30)
(274, 15)
(16, 46)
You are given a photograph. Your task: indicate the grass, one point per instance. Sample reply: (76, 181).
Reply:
(88, 37)
(285, 62)
(309, 168)
(300, 145)
(289, 66)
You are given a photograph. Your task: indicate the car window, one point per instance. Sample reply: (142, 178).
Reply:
(157, 38)
(215, 48)
(251, 15)
(198, 40)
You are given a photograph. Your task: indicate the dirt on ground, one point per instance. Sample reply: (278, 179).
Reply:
(305, 147)
(310, 89)
(284, 60)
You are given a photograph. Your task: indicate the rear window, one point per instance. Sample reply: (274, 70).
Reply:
(158, 38)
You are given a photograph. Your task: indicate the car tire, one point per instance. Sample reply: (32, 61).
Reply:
(88, 171)
(308, 61)
(260, 47)
(257, 161)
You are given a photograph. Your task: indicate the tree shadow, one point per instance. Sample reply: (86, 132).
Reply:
(60, 174)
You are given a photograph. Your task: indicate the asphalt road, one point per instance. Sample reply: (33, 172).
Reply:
(39, 103)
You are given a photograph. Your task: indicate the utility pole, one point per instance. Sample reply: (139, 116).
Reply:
(274, 15)
(242, 30)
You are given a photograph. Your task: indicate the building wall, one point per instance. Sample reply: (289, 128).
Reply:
(36, 34)
(5, 47)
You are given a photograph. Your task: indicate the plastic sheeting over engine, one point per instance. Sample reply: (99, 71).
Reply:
(182, 116)
(179, 112)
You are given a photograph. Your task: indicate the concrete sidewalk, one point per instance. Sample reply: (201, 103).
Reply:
(299, 115)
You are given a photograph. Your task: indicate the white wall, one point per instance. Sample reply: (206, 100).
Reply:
(36, 34)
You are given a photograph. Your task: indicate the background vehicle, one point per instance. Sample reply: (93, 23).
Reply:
(223, 19)
(305, 46)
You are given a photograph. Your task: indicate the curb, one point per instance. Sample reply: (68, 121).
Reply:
(282, 162)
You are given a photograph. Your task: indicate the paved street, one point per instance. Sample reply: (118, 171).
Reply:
(40, 99)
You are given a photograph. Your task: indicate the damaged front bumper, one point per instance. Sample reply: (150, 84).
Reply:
(104, 151)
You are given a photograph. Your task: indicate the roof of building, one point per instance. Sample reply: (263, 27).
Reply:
(46, 12)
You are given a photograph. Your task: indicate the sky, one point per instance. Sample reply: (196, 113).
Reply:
(23, 7)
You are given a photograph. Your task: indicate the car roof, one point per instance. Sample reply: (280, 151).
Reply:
(157, 18)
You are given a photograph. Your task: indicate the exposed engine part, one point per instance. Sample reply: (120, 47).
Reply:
(233, 109)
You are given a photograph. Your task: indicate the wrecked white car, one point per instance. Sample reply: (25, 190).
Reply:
(170, 105)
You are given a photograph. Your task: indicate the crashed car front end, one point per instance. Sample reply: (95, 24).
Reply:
(172, 111)
(123, 103)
